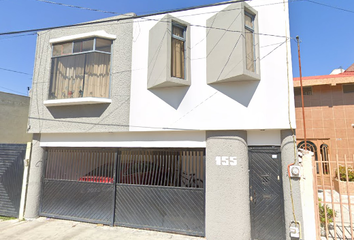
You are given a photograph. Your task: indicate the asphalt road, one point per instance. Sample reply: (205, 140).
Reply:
(54, 229)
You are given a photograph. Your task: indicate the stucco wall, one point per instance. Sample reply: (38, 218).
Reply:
(35, 179)
(85, 118)
(13, 118)
(291, 187)
(227, 207)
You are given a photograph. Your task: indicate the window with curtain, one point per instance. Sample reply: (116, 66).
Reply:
(80, 69)
(249, 39)
(178, 51)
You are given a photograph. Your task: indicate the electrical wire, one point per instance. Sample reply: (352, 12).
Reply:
(23, 35)
(143, 17)
(13, 90)
(330, 6)
(14, 71)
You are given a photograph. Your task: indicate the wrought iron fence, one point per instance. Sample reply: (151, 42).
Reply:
(161, 167)
(335, 199)
(88, 165)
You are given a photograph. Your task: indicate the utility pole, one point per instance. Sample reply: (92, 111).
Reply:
(302, 91)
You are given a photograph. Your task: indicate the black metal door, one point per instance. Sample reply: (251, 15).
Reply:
(11, 175)
(266, 194)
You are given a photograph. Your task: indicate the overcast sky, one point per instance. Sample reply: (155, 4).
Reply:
(324, 27)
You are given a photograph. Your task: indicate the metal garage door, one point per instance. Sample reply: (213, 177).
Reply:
(11, 176)
(73, 185)
(161, 189)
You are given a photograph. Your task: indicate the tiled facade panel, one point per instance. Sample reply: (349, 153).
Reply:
(329, 115)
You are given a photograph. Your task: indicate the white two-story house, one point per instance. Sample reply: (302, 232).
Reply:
(179, 121)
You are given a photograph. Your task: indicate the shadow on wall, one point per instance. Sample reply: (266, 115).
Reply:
(172, 96)
(78, 111)
(241, 92)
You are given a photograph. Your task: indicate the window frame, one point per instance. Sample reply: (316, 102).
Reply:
(346, 86)
(80, 100)
(81, 52)
(184, 40)
(307, 90)
(252, 30)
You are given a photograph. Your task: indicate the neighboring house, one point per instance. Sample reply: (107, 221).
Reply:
(329, 117)
(13, 139)
(174, 121)
(13, 118)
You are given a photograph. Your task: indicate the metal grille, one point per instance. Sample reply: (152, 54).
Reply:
(11, 176)
(267, 211)
(177, 168)
(93, 165)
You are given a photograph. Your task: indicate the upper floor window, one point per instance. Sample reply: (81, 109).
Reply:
(169, 54)
(178, 51)
(80, 68)
(348, 88)
(306, 91)
(232, 45)
(249, 36)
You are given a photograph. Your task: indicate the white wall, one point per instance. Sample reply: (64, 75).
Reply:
(152, 139)
(263, 138)
(241, 105)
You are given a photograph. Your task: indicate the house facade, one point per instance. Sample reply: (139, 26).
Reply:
(179, 121)
(13, 140)
(329, 113)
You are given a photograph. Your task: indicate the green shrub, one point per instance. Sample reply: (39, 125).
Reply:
(330, 214)
(343, 176)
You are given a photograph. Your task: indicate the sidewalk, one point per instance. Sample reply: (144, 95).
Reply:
(54, 229)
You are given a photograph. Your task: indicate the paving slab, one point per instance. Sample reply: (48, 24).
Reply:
(55, 229)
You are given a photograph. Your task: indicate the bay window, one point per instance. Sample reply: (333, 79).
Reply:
(80, 68)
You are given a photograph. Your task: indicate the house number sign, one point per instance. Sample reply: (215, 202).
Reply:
(226, 161)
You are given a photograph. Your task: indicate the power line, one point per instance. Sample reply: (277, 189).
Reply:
(330, 6)
(23, 35)
(73, 6)
(14, 71)
(144, 17)
(13, 90)
(160, 11)
(153, 12)
(274, 49)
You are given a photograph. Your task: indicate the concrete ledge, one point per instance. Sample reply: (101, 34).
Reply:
(76, 101)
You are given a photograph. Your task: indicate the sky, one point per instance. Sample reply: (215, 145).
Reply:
(323, 26)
